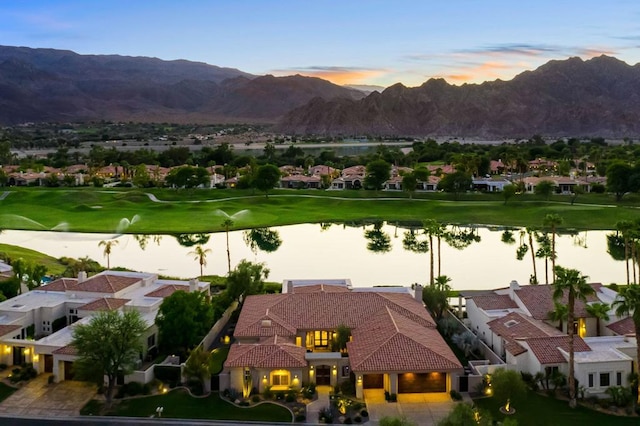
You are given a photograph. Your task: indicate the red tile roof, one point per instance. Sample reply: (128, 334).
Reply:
(66, 350)
(322, 311)
(513, 326)
(538, 299)
(167, 290)
(390, 341)
(319, 287)
(106, 283)
(546, 348)
(494, 301)
(623, 326)
(104, 304)
(61, 284)
(8, 328)
(258, 355)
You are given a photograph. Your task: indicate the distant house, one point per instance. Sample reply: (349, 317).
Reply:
(301, 182)
(284, 340)
(489, 184)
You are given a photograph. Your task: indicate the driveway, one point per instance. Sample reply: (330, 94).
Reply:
(423, 409)
(38, 398)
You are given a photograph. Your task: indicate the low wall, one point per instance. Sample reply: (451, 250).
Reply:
(218, 326)
(491, 356)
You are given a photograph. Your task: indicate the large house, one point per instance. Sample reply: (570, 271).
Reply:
(285, 340)
(515, 323)
(37, 326)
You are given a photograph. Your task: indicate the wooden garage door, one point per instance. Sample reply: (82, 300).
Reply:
(373, 381)
(422, 382)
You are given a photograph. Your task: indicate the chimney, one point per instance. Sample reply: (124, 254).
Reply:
(289, 287)
(193, 285)
(513, 286)
(417, 292)
(82, 276)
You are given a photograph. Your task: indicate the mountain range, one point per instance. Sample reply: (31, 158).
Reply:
(573, 97)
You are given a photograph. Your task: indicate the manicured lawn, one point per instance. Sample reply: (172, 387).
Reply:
(179, 404)
(218, 357)
(30, 256)
(541, 410)
(5, 391)
(101, 210)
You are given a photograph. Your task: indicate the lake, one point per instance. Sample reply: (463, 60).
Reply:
(340, 251)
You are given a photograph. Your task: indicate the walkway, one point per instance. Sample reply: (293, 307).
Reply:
(423, 409)
(39, 398)
(314, 407)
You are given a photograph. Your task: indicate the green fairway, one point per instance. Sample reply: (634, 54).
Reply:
(179, 404)
(54, 267)
(171, 211)
(541, 410)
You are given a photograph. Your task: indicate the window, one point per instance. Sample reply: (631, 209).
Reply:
(151, 341)
(604, 379)
(298, 341)
(280, 378)
(590, 380)
(321, 339)
(619, 378)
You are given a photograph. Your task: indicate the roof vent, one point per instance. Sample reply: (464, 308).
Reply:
(266, 323)
(510, 323)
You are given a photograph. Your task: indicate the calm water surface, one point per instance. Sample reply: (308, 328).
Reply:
(307, 251)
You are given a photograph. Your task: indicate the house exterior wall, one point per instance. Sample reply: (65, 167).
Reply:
(610, 368)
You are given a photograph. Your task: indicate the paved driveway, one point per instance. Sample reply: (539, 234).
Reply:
(38, 398)
(422, 408)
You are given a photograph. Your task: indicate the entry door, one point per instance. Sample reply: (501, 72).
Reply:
(18, 355)
(323, 375)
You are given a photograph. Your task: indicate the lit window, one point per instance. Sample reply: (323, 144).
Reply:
(280, 378)
(321, 339)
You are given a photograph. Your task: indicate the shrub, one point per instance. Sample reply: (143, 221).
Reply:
(255, 398)
(3, 367)
(455, 395)
(300, 418)
(357, 419)
(325, 415)
(267, 393)
(393, 397)
(348, 421)
(348, 388)
(364, 413)
(167, 373)
(290, 398)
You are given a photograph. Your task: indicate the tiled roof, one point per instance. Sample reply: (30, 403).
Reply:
(104, 304)
(390, 341)
(494, 301)
(65, 350)
(166, 290)
(258, 355)
(622, 327)
(513, 326)
(105, 283)
(319, 287)
(322, 311)
(546, 348)
(8, 328)
(61, 284)
(538, 299)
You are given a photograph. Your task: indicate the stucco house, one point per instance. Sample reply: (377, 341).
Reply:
(514, 322)
(285, 340)
(37, 326)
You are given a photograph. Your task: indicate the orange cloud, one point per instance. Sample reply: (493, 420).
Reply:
(482, 72)
(337, 75)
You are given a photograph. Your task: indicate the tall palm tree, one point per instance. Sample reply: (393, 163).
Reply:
(572, 283)
(628, 303)
(624, 227)
(600, 311)
(201, 256)
(108, 245)
(552, 221)
(228, 223)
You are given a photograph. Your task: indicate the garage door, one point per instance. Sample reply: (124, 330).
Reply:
(373, 381)
(422, 382)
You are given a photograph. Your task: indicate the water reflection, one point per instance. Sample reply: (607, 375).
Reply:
(265, 239)
(378, 241)
(190, 240)
(307, 251)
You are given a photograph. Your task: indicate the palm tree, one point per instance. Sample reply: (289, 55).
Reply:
(108, 245)
(624, 227)
(559, 314)
(227, 223)
(574, 285)
(552, 221)
(628, 303)
(600, 311)
(201, 256)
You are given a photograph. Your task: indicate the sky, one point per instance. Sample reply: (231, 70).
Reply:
(363, 42)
